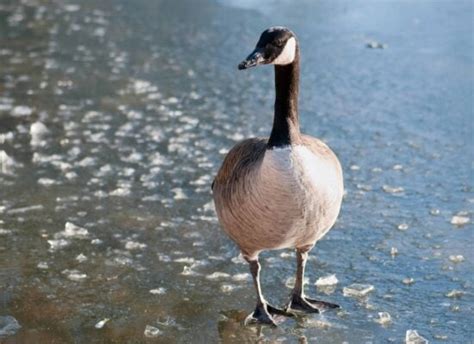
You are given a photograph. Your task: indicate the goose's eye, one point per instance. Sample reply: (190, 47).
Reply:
(279, 44)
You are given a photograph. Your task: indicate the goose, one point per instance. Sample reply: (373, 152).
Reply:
(280, 192)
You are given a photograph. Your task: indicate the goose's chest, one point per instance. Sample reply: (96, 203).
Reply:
(296, 176)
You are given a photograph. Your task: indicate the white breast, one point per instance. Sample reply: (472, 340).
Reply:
(298, 166)
(301, 188)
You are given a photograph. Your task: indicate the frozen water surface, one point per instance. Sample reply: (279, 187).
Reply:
(115, 115)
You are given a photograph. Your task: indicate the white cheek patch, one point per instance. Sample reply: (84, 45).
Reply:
(288, 53)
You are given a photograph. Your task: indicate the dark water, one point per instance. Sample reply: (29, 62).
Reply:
(142, 99)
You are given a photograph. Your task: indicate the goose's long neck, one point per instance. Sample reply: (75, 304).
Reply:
(286, 128)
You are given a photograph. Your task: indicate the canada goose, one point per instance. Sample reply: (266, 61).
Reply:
(284, 191)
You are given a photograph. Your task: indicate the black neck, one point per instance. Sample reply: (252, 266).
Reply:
(286, 129)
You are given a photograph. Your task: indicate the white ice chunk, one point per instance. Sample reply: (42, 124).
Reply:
(134, 245)
(412, 337)
(151, 331)
(456, 258)
(241, 277)
(81, 258)
(179, 193)
(8, 325)
(21, 110)
(290, 282)
(101, 323)
(74, 275)
(121, 191)
(47, 181)
(384, 318)
(238, 259)
(6, 137)
(392, 189)
(402, 227)
(7, 163)
(455, 294)
(38, 131)
(72, 7)
(459, 220)
(326, 281)
(158, 291)
(72, 231)
(217, 275)
(25, 209)
(357, 290)
(58, 244)
(227, 288)
(188, 271)
(42, 265)
(187, 260)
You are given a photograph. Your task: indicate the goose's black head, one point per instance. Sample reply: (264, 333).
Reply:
(277, 45)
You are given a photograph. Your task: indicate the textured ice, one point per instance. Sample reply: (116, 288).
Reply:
(311, 322)
(325, 281)
(357, 290)
(384, 318)
(8, 326)
(151, 331)
(412, 337)
(101, 323)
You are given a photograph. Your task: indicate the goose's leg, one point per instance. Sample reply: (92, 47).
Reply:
(298, 301)
(263, 312)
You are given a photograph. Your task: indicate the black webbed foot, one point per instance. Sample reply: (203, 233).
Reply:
(307, 305)
(263, 314)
